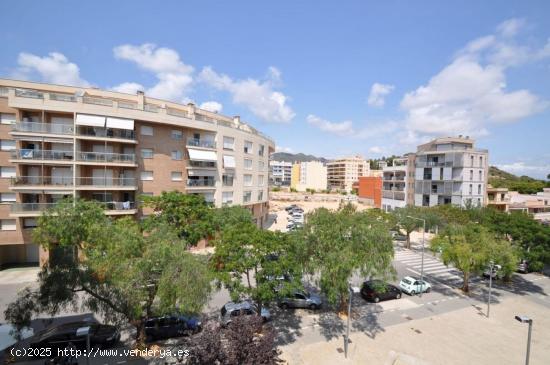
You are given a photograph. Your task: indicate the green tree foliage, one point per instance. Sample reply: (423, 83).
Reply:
(404, 221)
(471, 247)
(189, 214)
(338, 244)
(123, 274)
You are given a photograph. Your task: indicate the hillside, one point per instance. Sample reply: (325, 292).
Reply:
(524, 184)
(295, 157)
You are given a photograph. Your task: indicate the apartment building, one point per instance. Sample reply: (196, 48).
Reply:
(280, 173)
(450, 171)
(498, 198)
(398, 183)
(309, 175)
(342, 173)
(59, 141)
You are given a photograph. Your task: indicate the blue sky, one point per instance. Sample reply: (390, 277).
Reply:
(332, 78)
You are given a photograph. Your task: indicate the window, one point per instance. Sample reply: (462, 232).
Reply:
(261, 149)
(248, 147)
(261, 180)
(227, 179)
(147, 153)
(7, 171)
(479, 189)
(7, 118)
(7, 145)
(471, 189)
(7, 197)
(227, 197)
(177, 176)
(247, 180)
(247, 196)
(8, 225)
(261, 165)
(146, 130)
(480, 161)
(177, 155)
(472, 161)
(147, 175)
(260, 195)
(471, 175)
(228, 162)
(480, 175)
(228, 143)
(247, 164)
(177, 134)
(29, 223)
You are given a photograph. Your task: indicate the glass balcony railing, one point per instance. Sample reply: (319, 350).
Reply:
(204, 164)
(105, 132)
(105, 157)
(105, 181)
(40, 207)
(43, 128)
(200, 143)
(41, 155)
(198, 183)
(42, 181)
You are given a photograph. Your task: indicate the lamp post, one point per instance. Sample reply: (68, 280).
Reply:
(352, 289)
(524, 319)
(492, 271)
(423, 241)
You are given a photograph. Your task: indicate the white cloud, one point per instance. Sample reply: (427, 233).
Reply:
(378, 93)
(376, 149)
(342, 129)
(524, 168)
(174, 76)
(54, 68)
(259, 97)
(470, 94)
(128, 88)
(283, 149)
(212, 106)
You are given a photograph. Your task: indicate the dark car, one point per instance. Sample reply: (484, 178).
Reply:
(157, 328)
(377, 290)
(290, 207)
(60, 336)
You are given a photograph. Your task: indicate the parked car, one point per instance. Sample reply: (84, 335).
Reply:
(171, 326)
(414, 286)
(301, 299)
(496, 274)
(523, 266)
(290, 207)
(60, 336)
(245, 308)
(396, 236)
(377, 290)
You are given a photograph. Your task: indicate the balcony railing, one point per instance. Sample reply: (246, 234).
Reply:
(127, 105)
(40, 207)
(105, 157)
(43, 128)
(151, 108)
(207, 164)
(63, 97)
(395, 195)
(177, 113)
(105, 132)
(127, 205)
(200, 143)
(27, 154)
(105, 181)
(42, 181)
(97, 101)
(193, 183)
(26, 93)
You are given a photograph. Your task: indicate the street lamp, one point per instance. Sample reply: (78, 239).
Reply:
(352, 289)
(423, 240)
(492, 271)
(524, 319)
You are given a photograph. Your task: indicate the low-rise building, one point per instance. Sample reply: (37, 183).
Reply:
(309, 175)
(343, 172)
(498, 198)
(280, 173)
(538, 205)
(369, 190)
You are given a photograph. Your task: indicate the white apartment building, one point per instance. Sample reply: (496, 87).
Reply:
(398, 183)
(309, 175)
(280, 173)
(342, 173)
(450, 171)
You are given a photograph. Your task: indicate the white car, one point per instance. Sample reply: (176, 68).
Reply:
(414, 286)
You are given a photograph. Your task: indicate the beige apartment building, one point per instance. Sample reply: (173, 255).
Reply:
(344, 172)
(59, 141)
(309, 175)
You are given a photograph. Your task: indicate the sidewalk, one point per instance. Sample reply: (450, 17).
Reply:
(465, 336)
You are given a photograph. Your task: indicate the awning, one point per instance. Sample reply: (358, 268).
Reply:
(229, 162)
(90, 120)
(200, 155)
(120, 123)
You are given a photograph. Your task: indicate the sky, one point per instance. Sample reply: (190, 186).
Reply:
(338, 78)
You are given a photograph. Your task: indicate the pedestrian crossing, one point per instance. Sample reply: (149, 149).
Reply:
(432, 266)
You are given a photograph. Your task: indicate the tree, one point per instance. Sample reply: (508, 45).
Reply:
(189, 214)
(247, 259)
(123, 274)
(406, 223)
(338, 244)
(471, 247)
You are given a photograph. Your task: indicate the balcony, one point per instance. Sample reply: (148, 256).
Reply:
(43, 128)
(110, 133)
(36, 209)
(200, 143)
(106, 158)
(201, 183)
(395, 195)
(202, 164)
(105, 183)
(38, 156)
(42, 182)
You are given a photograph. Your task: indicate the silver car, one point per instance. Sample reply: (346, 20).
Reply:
(244, 308)
(301, 299)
